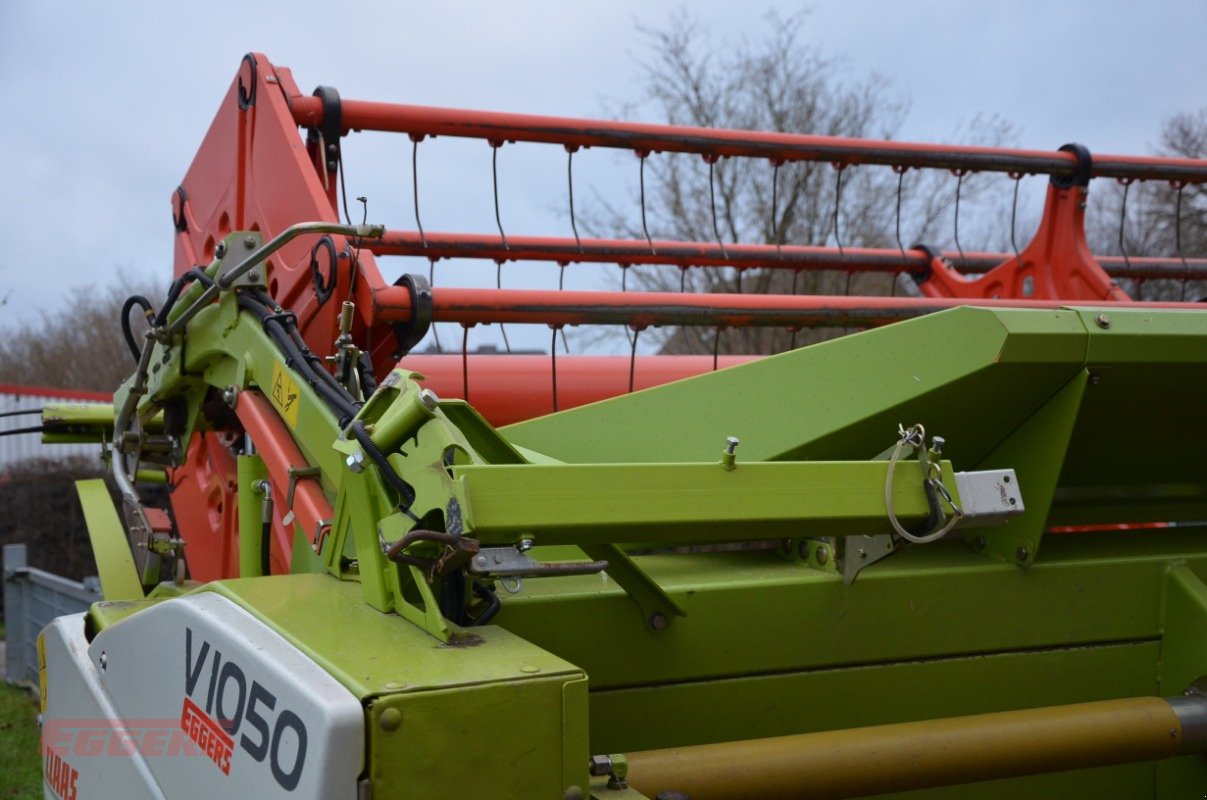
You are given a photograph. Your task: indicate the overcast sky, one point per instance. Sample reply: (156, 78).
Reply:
(106, 103)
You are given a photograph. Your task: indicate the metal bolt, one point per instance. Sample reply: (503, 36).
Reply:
(428, 399)
(658, 621)
(480, 561)
(356, 462)
(1102, 321)
(230, 396)
(822, 555)
(1022, 553)
(249, 242)
(731, 444)
(598, 766)
(220, 250)
(104, 660)
(936, 443)
(253, 275)
(524, 545)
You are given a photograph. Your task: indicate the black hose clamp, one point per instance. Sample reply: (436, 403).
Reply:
(179, 200)
(1081, 172)
(247, 94)
(410, 333)
(921, 276)
(324, 288)
(331, 129)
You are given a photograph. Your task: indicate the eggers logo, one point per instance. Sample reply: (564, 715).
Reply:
(277, 735)
(208, 735)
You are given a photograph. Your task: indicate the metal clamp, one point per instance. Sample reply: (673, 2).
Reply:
(412, 332)
(295, 474)
(510, 564)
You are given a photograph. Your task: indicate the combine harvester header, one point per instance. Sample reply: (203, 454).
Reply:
(830, 572)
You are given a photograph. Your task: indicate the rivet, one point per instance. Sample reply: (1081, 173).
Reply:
(394, 685)
(1102, 321)
(390, 719)
(530, 669)
(822, 555)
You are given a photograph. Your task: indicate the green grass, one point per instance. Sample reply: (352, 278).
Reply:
(20, 766)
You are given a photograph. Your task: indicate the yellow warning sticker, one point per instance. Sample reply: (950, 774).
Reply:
(42, 671)
(285, 395)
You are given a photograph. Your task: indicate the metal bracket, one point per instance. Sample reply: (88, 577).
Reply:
(510, 564)
(862, 551)
(295, 474)
(411, 333)
(239, 245)
(331, 128)
(657, 607)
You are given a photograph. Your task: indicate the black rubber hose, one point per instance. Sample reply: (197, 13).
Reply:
(22, 413)
(135, 300)
(368, 381)
(266, 548)
(34, 429)
(391, 477)
(493, 605)
(275, 326)
(195, 274)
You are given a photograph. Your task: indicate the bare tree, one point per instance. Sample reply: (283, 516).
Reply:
(80, 344)
(781, 84)
(1156, 218)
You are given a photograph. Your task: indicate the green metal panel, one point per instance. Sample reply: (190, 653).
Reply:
(498, 715)
(1183, 661)
(968, 374)
(754, 707)
(755, 613)
(509, 742)
(114, 564)
(373, 653)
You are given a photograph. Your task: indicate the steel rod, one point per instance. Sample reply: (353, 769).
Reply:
(716, 142)
(645, 309)
(748, 256)
(917, 755)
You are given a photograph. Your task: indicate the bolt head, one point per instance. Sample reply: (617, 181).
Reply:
(230, 396)
(356, 462)
(428, 399)
(249, 242)
(1102, 321)
(1022, 553)
(598, 766)
(220, 250)
(658, 621)
(822, 555)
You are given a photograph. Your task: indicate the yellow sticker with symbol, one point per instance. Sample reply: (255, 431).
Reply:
(285, 395)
